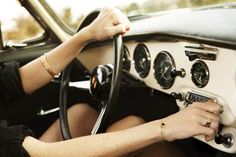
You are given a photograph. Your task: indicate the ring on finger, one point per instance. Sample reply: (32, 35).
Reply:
(115, 23)
(208, 123)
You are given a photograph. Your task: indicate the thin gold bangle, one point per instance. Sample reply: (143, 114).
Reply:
(44, 61)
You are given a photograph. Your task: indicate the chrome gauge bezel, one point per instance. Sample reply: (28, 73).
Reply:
(205, 75)
(164, 76)
(142, 60)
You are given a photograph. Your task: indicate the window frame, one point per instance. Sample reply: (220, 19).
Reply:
(46, 37)
(1, 39)
(58, 20)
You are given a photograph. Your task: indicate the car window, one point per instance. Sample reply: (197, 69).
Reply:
(71, 12)
(17, 24)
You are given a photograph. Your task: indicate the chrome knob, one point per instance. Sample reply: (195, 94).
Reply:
(226, 139)
(178, 96)
(181, 73)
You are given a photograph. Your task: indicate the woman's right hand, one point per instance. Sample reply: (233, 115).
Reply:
(197, 119)
(109, 22)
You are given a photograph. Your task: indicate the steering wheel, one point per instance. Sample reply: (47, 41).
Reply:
(111, 76)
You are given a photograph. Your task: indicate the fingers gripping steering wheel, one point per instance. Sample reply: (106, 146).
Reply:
(106, 104)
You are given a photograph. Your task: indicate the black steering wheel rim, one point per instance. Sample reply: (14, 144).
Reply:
(64, 125)
(102, 124)
(106, 106)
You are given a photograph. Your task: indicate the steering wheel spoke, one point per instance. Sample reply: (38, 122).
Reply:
(98, 123)
(80, 84)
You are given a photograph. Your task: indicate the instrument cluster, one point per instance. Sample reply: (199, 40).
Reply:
(164, 67)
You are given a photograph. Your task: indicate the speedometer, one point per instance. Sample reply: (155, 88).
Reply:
(163, 69)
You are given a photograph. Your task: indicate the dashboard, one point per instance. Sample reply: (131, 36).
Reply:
(189, 54)
(188, 71)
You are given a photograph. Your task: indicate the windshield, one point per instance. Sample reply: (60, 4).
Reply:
(72, 11)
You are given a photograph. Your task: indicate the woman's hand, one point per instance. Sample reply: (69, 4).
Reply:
(197, 119)
(109, 22)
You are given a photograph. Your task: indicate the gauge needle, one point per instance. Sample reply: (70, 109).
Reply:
(142, 63)
(165, 70)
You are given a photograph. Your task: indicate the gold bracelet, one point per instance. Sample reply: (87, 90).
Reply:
(44, 61)
(163, 125)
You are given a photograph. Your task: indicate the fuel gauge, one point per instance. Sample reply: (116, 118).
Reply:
(200, 74)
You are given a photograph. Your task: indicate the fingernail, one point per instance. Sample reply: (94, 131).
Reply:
(207, 138)
(210, 100)
(221, 110)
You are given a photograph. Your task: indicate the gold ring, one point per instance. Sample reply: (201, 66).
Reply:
(115, 23)
(208, 123)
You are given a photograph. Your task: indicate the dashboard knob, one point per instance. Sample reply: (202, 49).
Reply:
(219, 139)
(178, 96)
(226, 139)
(181, 73)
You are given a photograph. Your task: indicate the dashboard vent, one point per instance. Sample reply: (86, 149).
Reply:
(201, 52)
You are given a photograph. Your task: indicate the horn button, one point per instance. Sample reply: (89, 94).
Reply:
(100, 81)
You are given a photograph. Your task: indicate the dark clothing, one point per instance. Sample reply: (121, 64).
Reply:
(10, 84)
(11, 137)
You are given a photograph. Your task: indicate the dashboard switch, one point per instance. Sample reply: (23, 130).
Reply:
(178, 96)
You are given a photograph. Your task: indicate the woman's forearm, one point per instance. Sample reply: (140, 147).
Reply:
(40, 71)
(173, 127)
(34, 74)
(101, 145)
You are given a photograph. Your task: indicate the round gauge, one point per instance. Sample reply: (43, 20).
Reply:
(163, 69)
(126, 59)
(142, 60)
(200, 74)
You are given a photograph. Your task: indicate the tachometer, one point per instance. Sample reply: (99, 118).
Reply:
(142, 60)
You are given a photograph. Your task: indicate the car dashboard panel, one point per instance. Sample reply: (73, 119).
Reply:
(189, 54)
(188, 71)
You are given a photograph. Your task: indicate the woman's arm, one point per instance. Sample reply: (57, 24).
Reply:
(109, 22)
(176, 126)
(101, 145)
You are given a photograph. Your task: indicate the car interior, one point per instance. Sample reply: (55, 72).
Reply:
(167, 61)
